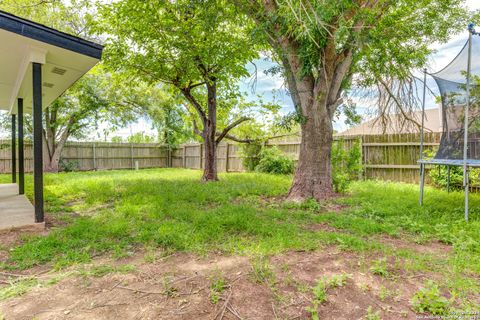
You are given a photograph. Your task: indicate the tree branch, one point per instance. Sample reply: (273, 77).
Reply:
(230, 127)
(195, 128)
(188, 95)
(235, 138)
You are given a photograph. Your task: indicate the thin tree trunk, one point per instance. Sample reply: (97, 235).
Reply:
(209, 135)
(210, 154)
(53, 151)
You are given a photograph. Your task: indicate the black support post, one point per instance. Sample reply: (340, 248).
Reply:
(37, 142)
(14, 150)
(21, 151)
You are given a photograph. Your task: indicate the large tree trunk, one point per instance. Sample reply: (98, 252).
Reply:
(316, 98)
(313, 176)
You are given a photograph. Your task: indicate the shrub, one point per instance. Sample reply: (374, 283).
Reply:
(346, 164)
(68, 166)
(250, 153)
(439, 174)
(274, 161)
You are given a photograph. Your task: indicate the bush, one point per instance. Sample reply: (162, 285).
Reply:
(69, 166)
(346, 164)
(439, 174)
(250, 153)
(274, 161)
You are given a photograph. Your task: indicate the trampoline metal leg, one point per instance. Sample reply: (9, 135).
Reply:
(422, 181)
(466, 194)
(448, 179)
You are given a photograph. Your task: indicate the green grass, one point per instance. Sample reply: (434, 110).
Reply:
(117, 212)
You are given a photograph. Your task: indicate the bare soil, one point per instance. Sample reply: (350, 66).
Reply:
(179, 287)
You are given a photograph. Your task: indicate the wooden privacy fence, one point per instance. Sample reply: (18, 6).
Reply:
(97, 156)
(384, 157)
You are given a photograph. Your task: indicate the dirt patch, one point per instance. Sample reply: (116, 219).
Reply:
(362, 289)
(179, 287)
(323, 226)
(403, 242)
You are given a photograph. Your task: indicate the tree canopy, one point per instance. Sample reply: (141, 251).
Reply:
(326, 46)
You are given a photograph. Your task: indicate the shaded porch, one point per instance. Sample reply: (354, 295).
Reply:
(38, 64)
(16, 211)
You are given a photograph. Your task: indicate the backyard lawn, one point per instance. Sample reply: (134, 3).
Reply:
(159, 244)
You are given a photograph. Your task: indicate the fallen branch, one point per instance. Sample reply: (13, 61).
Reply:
(221, 312)
(141, 291)
(234, 312)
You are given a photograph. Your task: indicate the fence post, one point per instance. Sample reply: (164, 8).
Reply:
(184, 156)
(131, 155)
(94, 158)
(227, 155)
(169, 156)
(201, 156)
(362, 160)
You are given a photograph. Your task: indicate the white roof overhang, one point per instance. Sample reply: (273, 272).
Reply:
(65, 59)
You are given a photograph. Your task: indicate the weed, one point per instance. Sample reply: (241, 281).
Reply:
(364, 287)
(168, 289)
(18, 288)
(313, 310)
(429, 299)
(372, 315)
(262, 271)
(217, 287)
(385, 293)
(338, 280)
(320, 292)
(380, 267)
(302, 286)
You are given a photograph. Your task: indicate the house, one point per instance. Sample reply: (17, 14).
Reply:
(396, 124)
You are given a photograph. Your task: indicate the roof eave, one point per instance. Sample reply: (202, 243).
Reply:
(48, 35)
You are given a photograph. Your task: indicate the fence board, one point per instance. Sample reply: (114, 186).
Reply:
(385, 157)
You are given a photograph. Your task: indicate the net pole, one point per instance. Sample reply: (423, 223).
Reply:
(422, 165)
(422, 138)
(465, 137)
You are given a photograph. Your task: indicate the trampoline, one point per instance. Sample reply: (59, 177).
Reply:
(460, 113)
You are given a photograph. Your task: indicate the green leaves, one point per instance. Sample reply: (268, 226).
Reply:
(181, 42)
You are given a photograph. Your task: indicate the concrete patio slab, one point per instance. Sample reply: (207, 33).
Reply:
(16, 211)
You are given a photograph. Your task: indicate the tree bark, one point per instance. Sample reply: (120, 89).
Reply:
(313, 175)
(52, 154)
(52, 149)
(209, 135)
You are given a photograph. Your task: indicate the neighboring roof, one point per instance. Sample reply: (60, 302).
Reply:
(65, 59)
(433, 123)
(48, 35)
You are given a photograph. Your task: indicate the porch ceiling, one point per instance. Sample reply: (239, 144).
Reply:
(65, 59)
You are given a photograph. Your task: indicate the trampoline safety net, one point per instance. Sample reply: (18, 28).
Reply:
(452, 83)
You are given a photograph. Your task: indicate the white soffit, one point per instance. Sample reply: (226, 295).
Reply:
(61, 67)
